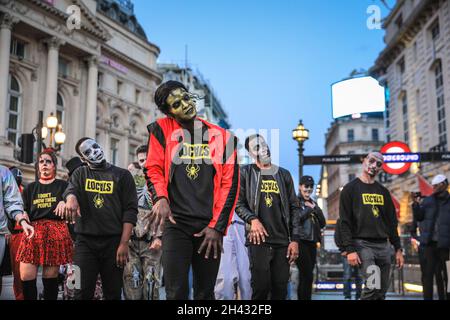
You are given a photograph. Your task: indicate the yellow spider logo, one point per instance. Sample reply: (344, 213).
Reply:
(269, 200)
(98, 201)
(192, 171)
(375, 211)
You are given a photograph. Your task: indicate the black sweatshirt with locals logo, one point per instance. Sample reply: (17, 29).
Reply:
(107, 199)
(366, 211)
(191, 188)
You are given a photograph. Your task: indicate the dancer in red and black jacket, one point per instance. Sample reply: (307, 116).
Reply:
(193, 176)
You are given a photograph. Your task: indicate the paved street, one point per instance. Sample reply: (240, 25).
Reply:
(7, 293)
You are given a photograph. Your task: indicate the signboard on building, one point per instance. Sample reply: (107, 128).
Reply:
(356, 96)
(398, 157)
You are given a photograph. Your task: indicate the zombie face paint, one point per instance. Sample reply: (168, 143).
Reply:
(259, 150)
(142, 157)
(47, 170)
(92, 152)
(181, 105)
(373, 163)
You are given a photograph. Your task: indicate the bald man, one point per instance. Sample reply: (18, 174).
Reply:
(369, 228)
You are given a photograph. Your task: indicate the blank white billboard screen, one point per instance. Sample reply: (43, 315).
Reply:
(357, 95)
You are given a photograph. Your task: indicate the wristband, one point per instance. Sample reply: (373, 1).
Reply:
(23, 219)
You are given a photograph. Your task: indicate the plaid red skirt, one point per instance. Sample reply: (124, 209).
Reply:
(51, 244)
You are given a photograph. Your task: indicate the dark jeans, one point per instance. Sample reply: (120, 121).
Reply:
(96, 255)
(179, 253)
(305, 263)
(435, 264)
(350, 272)
(270, 272)
(372, 255)
(437, 274)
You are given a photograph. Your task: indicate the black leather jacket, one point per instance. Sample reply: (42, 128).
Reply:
(432, 211)
(249, 196)
(311, 221)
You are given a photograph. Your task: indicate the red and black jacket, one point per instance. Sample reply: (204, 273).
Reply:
(165, 139)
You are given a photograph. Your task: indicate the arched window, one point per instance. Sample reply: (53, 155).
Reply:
(133, 128)
(14, 110)
(60, 108)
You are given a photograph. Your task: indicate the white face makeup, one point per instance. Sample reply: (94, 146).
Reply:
(92, 152)
(373, 164)
(142, 157)
(259, 150)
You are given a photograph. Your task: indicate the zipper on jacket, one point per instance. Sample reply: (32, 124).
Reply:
(172, 165)
(258, 192)
(282, 209)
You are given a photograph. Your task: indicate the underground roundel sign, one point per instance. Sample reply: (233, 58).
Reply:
(396, 147)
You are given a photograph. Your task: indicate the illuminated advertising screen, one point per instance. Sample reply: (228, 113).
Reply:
(356, 96)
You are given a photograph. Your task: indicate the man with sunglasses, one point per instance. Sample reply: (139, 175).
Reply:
(312, 221)
(369, 227)
(193, 176)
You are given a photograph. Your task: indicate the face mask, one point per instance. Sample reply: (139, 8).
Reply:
(92, 152)
(181, 105)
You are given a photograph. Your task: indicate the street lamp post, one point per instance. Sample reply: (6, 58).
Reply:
(57, 136)
(300, 134)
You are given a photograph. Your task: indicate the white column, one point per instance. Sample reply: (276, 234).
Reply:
(6, 24)
(51, 90)
(91, 99)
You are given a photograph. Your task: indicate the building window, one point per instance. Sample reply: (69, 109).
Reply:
(415, 51)
(387, 98)
(99, 80)
(375, 136)
(63, 67)
(435, 31)
(133, 128)
(401, 70)
(17, 48)
(131, 154)
(350, 135)
(59, 108)
(119, 87)
(115, 121)
(405, 118)
(14, 110)
(114, 151)
(137, 96)
(399, 21)
(440, 103)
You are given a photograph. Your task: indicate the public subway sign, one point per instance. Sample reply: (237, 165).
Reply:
(398, 157)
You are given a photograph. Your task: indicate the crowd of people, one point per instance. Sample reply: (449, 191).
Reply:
(186, 217)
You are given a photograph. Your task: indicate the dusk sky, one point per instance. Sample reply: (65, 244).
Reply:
(270, 62)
